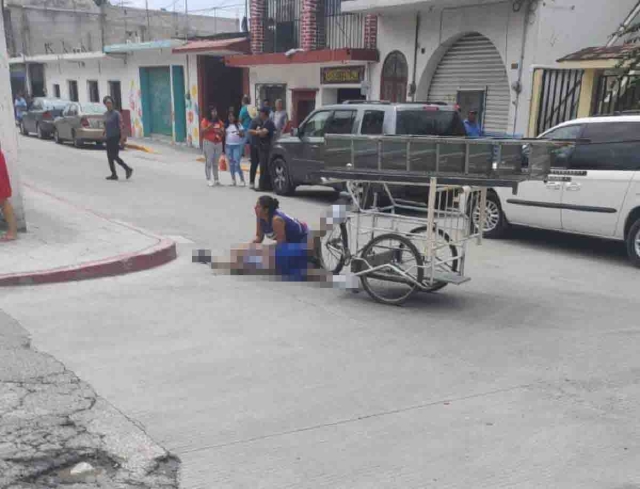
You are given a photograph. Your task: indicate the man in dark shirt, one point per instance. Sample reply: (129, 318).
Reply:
(263, 131)
(114, 136)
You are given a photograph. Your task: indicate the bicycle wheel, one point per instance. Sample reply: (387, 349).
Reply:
(334, 249)
(391, 285)
(447, 260)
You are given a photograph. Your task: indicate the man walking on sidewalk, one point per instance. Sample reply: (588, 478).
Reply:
(114, 135)
(263, 131)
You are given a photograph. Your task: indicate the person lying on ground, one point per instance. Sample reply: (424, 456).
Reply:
(295, 256)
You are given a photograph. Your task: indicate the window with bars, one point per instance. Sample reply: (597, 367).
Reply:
(615, 94)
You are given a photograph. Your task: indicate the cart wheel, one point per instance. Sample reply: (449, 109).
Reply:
(449, 260)
(388, 285)
(334, 248)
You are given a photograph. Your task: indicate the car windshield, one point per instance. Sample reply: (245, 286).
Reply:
(429, 123)
(93, 109)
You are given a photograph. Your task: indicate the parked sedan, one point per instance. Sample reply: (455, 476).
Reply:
(80, 123)
(40, 116)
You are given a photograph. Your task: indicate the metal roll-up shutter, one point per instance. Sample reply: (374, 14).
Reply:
(473, 63)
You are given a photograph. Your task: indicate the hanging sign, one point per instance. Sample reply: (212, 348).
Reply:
(342, 74)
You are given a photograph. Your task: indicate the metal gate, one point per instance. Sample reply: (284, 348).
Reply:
(617, 94)
(559, 98)
(473, 63)
(160, 100)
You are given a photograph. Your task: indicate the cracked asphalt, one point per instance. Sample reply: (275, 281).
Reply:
(50, 421)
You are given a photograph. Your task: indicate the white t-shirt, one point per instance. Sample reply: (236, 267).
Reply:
(233, 135)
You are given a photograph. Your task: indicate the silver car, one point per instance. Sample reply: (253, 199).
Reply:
(80, 124)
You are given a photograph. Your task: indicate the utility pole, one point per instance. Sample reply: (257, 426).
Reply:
(186, 19)
(146, 4)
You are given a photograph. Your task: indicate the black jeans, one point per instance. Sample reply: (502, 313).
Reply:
(265, 175)
(255, 161)
(113, 154)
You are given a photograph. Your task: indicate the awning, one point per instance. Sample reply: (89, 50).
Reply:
(131, 47)
(51, 58)
(602, 57)
(343, 55)
(216, 47)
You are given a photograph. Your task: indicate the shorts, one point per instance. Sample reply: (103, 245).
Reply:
(292, 261)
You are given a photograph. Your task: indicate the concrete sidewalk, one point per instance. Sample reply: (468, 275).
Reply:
(65, 242)
(57, 432)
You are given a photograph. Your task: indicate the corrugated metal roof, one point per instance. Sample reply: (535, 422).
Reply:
(143, 46)
(600, 53)
(220, 47)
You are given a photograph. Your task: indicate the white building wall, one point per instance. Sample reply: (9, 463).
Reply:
(127, 71)
(555, 28)
(8, 132)
(299, 76)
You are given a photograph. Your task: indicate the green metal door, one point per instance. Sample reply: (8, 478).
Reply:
(179, 108)
(160, 100)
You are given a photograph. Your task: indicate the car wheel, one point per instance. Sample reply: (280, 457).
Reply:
(23, 130)
(633, 244)
(280, 178)
(40, 132)
(76, 142)
(56, 136)
(495, 223)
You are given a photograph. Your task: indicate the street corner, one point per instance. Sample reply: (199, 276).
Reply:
(69, 243)
(56, 430)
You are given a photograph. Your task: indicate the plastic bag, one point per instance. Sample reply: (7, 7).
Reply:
(223, 164)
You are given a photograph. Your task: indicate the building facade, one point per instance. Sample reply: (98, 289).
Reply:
(159, 86)
(308, 53)
(60, 27)
(485, 55)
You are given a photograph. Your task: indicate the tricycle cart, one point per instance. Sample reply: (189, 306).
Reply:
(401, 247)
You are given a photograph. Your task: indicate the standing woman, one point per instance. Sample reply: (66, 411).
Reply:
(114, 136)
(234, 140)
(5, 205)
(245, 119)
(213, 135)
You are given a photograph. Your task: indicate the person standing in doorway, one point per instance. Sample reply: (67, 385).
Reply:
(5, 204)
(234, 143)
(263, 133)
(213, 135)
(245, 121)
(20, 105)
(114, 135)
(471, 125)
(280, 118)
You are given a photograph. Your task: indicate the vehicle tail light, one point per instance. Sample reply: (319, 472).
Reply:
(47, 115)
(84, 121)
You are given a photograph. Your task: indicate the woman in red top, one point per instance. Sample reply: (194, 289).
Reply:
(212, 134)
(5, 205)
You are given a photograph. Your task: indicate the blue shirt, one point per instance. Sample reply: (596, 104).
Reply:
(245, 118)
(112, 124)
(295, 231)
(473, 129)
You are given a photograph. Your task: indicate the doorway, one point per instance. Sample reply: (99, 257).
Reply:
(304, 102)
(345, 94)
(155, 87)
(219, 86)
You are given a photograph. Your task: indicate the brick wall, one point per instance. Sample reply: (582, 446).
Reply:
(371, 32)
(309, 25)
(258, 16)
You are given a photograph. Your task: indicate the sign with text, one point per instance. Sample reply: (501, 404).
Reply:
(342, 74)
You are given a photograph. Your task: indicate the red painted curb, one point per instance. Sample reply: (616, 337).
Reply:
(152, 257)
(158, 254)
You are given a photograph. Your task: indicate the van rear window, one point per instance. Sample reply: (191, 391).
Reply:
(429, 123)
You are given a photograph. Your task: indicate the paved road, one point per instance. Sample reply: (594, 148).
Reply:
(525, 377)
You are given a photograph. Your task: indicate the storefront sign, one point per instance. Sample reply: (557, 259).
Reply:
(342, 74)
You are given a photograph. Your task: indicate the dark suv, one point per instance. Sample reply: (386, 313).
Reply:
(295, 158)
